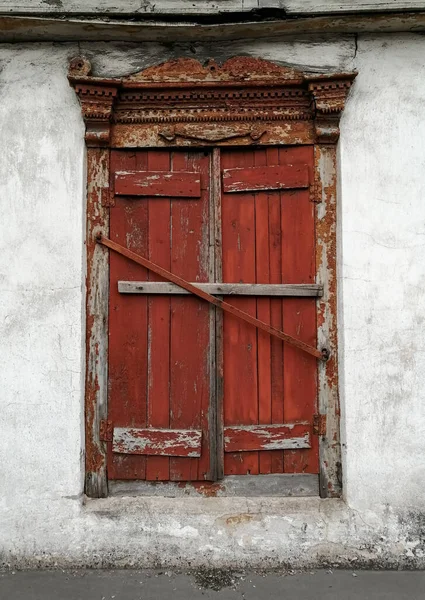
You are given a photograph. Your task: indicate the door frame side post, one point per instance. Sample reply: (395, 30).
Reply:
(329, 101)
(97, 97)
(97, 304)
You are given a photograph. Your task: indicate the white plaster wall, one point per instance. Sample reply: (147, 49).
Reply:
(382, 266)
(43, 520)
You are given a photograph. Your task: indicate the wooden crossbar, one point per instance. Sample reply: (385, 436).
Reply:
(196, 291)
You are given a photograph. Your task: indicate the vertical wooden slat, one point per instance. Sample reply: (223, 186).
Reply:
(262, 275)
(189, 396)
(276, 361)
(158, 467)
(299, 314)
(127, 322)
(240, 339)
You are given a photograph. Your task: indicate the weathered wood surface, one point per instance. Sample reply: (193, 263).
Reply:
(50, 28)
(265, 178)
(157, 442)
(141, 7)
(158, 183)
(245, 486)
(222, 289)
(96, 390)
(267, 437)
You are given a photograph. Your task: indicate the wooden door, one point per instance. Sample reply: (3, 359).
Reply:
(195, 394)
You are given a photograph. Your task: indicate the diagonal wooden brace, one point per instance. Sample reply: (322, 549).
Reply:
(196, 291)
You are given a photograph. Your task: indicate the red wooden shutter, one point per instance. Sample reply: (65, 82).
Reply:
(268, 238)
(159, 362)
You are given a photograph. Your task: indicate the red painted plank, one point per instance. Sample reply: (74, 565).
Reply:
(299, 315)
(158, 183)
(262, 267)
(265, 178)
(158, 467)
(157, 442)
(276, 361)
(239, 338)
(127, 323)
(267, 437)
(189, 334)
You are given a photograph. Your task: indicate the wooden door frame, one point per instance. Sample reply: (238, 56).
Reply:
(183, 104)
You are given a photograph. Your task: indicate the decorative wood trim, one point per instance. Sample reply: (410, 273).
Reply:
(183, 102)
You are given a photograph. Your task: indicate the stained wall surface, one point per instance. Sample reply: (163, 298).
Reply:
(44, 517)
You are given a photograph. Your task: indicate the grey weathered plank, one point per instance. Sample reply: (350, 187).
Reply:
(157, 442)
(249, 486)
(222, 289)
(45, 28)
(197, 7)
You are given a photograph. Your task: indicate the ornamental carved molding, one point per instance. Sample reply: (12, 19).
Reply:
(182, 102)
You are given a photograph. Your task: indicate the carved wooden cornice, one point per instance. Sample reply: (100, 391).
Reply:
(181, 102)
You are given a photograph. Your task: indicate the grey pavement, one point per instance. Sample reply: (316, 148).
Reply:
(204, 584)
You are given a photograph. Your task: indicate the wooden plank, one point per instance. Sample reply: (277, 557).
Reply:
(158, 183)
(190, 319)
(208, 7)
(222, 289)
(15, 29)
(242, 486)
(97, 305)
(157, 442)
(239, 340)
(267, 437)
(158, 467)
(284, 177)
(276, 361)
(127, 405)
(262, 276)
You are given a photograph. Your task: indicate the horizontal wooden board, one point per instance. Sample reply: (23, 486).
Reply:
(292, 7)
(242, 486)
(267, 437)
(222, 289)
(158, 183)
(157, 442)
(256, 179)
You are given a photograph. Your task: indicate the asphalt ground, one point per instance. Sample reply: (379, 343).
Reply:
(218, 584)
